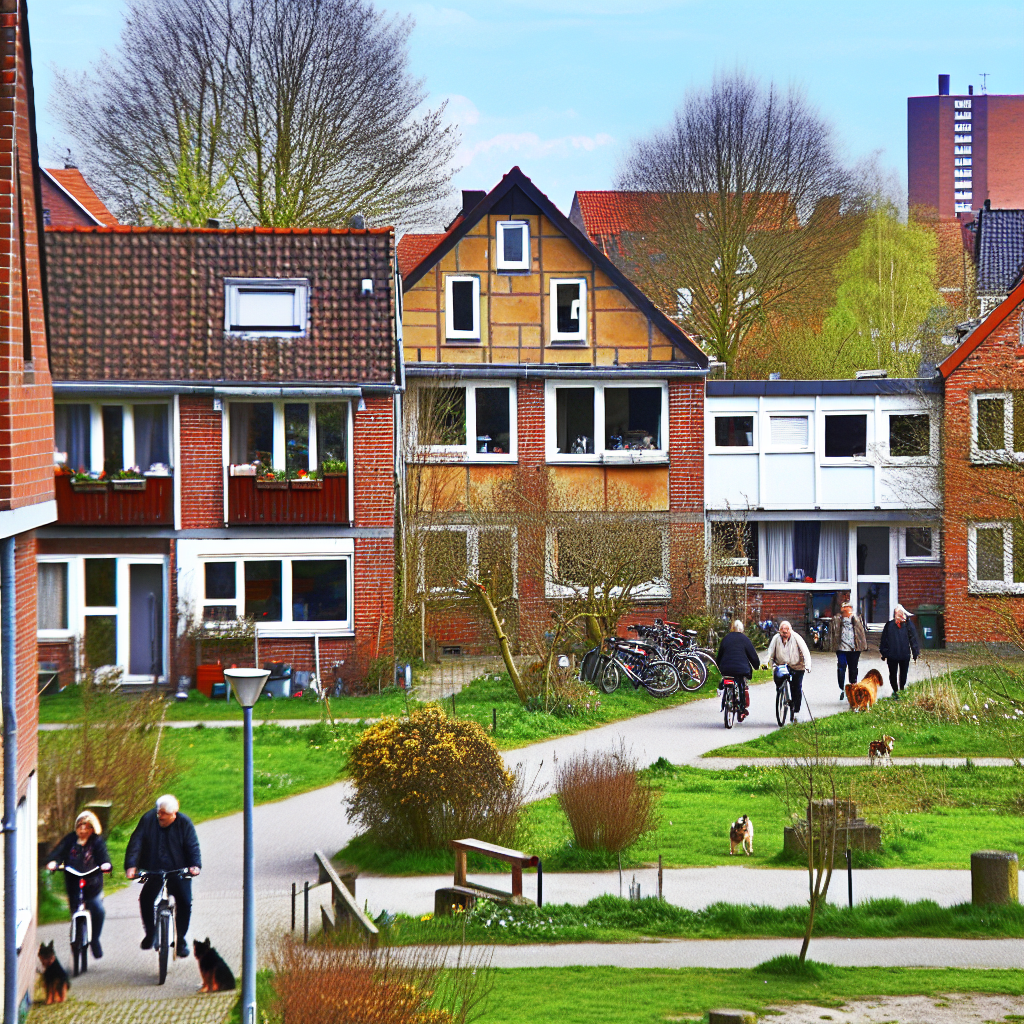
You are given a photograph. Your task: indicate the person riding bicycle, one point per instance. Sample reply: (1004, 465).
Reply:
(83, 850)
(737, 659)
(164, 840)
(789, 649)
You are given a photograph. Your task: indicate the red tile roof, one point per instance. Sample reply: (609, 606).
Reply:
(982, 331)
(71, 180)
(412, 249)
(611, 213)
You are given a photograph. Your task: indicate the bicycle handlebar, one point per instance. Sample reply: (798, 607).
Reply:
(81, 874)
(143, 875)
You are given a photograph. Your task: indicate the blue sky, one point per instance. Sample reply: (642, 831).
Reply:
(560, 87)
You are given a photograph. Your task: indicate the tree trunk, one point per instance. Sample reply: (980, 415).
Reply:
(506, 651)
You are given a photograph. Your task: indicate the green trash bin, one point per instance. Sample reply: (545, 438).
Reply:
(930, 626)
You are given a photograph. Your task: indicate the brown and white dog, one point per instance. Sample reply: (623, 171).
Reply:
(881, 748)
(741, 834)
(862, 694)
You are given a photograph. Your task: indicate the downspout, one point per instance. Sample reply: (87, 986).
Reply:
(10, 826)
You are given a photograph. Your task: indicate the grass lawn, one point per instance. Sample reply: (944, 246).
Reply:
(917, 722)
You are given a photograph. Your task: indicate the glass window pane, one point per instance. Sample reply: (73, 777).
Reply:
(567, 306)
(789, 431)
(873, 602)
(492, 420)
(220, 580)
(273, 309)
(113, 438)
(990, 559)
(632, 418)
(991, 425)
(152, 444)
(512, 240)
(219, 613)
(52, 595)
(72, 435)
(846, 436)
(872, 550)
(442, 416)
(734, 431)
(296, 437)
(909, 436)
(251, 431)
(574, 421)
(919, 542)
(263, 591)
(444, 558)
(463, 306)
(331, 428)
(100, 640)
(320, 591)
(494, 559)
(100, 582)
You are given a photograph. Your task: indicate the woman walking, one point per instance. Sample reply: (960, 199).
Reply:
(83, 850)
(899, 642)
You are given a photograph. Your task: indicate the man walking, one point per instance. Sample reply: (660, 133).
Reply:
(899, 642)
(788, 648)
(848, 640)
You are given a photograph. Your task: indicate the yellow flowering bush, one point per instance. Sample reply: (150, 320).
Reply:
(426, 779)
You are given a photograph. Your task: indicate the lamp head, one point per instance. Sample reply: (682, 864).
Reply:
(247, 684)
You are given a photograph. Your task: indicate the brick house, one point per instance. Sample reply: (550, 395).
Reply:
(559, 376)
(26, 480)
(206, 359)
(984, 480)
(69, 201)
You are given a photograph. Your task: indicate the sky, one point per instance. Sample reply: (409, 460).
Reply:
(561, 87)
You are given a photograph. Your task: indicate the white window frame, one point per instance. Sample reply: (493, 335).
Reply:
(755, 528)
(298, 286)
(556, 335)
(999, 455)
(912, 460)
(279, 441)
(450, 333)
(849, 460)
(933, 559)
(472, 554)
(467, 452)
(1006, 586)
(657, 590)
(27, 823)
(770, 446)
(97, 439)
(714, 448)
(500, 262)
(601, 454)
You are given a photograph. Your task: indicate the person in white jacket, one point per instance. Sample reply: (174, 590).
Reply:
(788, 648)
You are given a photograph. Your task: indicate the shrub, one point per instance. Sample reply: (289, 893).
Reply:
(426, 779)
(608, 804)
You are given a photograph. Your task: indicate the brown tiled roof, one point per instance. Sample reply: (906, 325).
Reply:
(414, 248)
(129, 303)
(71, 180)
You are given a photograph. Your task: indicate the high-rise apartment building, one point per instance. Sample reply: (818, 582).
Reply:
(965, 149)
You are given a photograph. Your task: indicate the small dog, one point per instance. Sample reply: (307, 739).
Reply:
(55, 978)
(216, 974)
(862, 694)
(880, 748)
(741, 834)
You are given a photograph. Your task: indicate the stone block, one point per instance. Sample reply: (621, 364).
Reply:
(994, 877)
(732, 1017)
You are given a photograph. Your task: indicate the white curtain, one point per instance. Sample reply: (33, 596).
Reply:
(52, 595)
(778, 556)
(833, 546)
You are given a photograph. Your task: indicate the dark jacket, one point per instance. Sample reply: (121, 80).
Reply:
(152, 848)
(835, 633)
(736, 655)
(82, 857)
(899, 642)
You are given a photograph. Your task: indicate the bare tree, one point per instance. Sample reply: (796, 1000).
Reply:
(278, 114)
(748, 211)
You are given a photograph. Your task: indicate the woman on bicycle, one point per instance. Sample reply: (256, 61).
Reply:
(788, 648)
(737, 659)
(83, 850)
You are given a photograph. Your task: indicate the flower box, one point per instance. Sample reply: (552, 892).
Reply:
(326, 473)
(128, 485)
(271, 485)
(243, 470)
(305, 484)
(89, 486)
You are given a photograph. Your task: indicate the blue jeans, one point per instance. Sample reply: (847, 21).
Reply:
(95, 907)
(844, 659)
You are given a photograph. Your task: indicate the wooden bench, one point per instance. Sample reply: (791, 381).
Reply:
(343, 901)
(465, 894)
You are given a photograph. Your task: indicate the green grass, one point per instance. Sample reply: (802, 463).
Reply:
(994, 730)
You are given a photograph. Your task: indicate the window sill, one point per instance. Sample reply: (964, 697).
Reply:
(258, 335)
(568, 343)
(746, 449)
(514, 272)
(458, 459)
(272, 630)
(782, 585)
(931, 560)
(610, 459)
(853, 460)
(1002, 589)
(462, 342)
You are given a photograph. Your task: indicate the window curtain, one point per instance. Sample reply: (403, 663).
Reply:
(52, 595)
(151, 443)
(238, 433)
(72, 434)
(833, 548)
(778, 554)
(805, 548)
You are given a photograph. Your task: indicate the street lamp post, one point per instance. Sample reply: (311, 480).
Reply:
(247, 684)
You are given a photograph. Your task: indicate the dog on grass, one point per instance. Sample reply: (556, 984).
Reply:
(216, 974)
(55, 978)
(862, 694)
(880, 748)
(741, 834)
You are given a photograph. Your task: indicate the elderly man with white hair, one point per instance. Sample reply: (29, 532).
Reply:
(164, 840)
(788, 648)
(899, 641)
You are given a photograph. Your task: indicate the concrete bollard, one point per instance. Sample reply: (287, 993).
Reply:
(732, 1017)
(994, 877)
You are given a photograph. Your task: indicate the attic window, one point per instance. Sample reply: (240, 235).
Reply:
(462, 308)
(513, 245)
(266, 307)
(569, 309)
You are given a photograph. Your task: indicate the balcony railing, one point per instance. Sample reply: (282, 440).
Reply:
(107, 506)
(248, 503)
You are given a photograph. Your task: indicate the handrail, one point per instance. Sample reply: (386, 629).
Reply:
(344, 901)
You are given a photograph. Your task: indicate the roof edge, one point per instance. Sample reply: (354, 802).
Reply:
(142, 229)
(70, 195)
(973, 340)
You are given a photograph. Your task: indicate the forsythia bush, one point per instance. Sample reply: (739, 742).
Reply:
(423, 780)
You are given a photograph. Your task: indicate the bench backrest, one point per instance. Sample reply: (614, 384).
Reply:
(497, 852)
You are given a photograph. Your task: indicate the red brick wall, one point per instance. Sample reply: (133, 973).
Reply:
(373, 463)
(920, 584)
(778, 605)
(64, 213)
(1005, 115)
(201, 464)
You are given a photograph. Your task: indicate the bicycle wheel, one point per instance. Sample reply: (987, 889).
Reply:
(692, 673)
(730, 709)
(609, 676)
(781, 704)
(661, 678)
(78, 947)
(164, 938)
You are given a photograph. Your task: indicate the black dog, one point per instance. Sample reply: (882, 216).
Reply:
(55, 978)
(217, 976)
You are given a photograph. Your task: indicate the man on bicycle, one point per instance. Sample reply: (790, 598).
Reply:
(789, 649)
(164, 840)
(737, 659)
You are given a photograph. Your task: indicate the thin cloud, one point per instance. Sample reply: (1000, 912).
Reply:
(529, 145)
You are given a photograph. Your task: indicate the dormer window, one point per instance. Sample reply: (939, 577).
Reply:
(462, 308)
(266, 307)
(568, 309)
(513, 245)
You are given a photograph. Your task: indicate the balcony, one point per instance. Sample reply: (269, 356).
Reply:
(250, 504)
(106, 506)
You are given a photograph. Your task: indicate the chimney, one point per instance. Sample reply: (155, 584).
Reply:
(943, 85)
(970, 90)
(470, 197)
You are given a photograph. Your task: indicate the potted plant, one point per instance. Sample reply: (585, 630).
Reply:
(130, 479)
(271, 480)
(334, 467)
(306, 480)
(88, 482)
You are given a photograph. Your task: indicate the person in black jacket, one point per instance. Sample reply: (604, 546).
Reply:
(737, 658)
(899, 642)
(83, 850)
(164, 840)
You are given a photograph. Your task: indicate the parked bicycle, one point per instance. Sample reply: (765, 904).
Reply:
(81, 922)
(164, 943)
(680, 648)
(636, 660)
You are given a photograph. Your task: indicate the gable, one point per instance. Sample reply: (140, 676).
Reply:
(995, 320)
